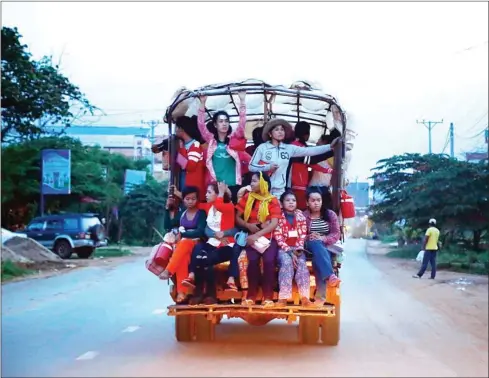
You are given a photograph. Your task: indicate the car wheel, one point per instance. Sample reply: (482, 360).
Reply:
(98, 233)
(85, 253)
(63, 249)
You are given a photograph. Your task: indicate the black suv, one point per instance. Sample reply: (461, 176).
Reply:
(68, 233)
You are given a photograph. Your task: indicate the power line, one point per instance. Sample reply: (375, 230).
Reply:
(429, 125)
(153, 123)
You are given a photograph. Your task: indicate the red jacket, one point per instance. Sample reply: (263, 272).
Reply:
(192, 161)
(299, 172)
(227, 210)
(281, 233)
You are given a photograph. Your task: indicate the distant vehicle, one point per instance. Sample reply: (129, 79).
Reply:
(67, 233)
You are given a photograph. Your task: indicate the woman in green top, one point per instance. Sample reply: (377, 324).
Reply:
(223, 161)
(189, 227)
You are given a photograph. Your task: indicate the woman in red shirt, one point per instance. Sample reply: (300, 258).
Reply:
(259, 212)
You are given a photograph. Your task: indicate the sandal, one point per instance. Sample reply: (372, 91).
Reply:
(305, 302)
(188, 283)
(267, 303)
(318, 303)
(281, 303)
(247, 302)
(333, 281)
(231, 286)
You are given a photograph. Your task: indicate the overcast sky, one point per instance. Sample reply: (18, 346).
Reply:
(388, 64)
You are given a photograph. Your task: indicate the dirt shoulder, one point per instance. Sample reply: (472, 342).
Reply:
(47, 269)
(460, 297)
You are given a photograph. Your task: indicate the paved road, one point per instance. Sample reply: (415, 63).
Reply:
(111, 322)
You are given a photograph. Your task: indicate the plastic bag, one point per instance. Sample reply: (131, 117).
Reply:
(420, 256)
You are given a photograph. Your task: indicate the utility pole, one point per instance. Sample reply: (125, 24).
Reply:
(452, 141)
(153, 123)
(429, 125)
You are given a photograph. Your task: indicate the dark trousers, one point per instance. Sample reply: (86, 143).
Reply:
(429, 257)
(234, 192)
(254, 274)
(204, 257)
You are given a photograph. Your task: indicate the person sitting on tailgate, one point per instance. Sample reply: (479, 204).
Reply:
(253, 212)
(189, 228)
(323, 230)
(222, 162)
(290, 235)
(190, 155)
(219, 247)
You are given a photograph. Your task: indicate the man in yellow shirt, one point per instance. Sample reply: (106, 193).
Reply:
(430, 247)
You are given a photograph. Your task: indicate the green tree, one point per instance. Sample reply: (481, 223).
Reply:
(418, 187)
(142, 209)
(34, 93)
(21, 177)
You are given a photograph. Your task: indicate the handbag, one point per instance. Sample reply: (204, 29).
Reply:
(261, 244)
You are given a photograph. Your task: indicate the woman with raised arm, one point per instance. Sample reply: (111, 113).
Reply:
(258, 212)
(274, 155)
(323, 230)
(222, 161)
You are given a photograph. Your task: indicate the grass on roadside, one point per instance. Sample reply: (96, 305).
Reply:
(11, 270)
(112, 252)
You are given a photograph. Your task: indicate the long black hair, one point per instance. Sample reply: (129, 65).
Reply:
(326, 199)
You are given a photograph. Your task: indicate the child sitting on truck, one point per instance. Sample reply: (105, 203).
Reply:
(290, 235)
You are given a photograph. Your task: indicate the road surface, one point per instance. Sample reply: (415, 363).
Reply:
(111, 321)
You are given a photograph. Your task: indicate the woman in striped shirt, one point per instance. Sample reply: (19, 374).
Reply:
(323, 230)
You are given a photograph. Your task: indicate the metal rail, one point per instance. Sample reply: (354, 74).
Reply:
(290, 310)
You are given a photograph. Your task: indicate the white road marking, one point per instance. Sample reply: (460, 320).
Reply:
(159, 311)
(88, 356)
(131, 329)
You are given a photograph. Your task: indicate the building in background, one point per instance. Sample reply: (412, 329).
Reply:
(131, 141)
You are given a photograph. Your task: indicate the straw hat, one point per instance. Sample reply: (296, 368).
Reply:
(270, 125)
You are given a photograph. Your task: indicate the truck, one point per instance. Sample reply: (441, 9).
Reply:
(300, 101)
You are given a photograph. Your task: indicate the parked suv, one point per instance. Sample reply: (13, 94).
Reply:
(68, 233)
